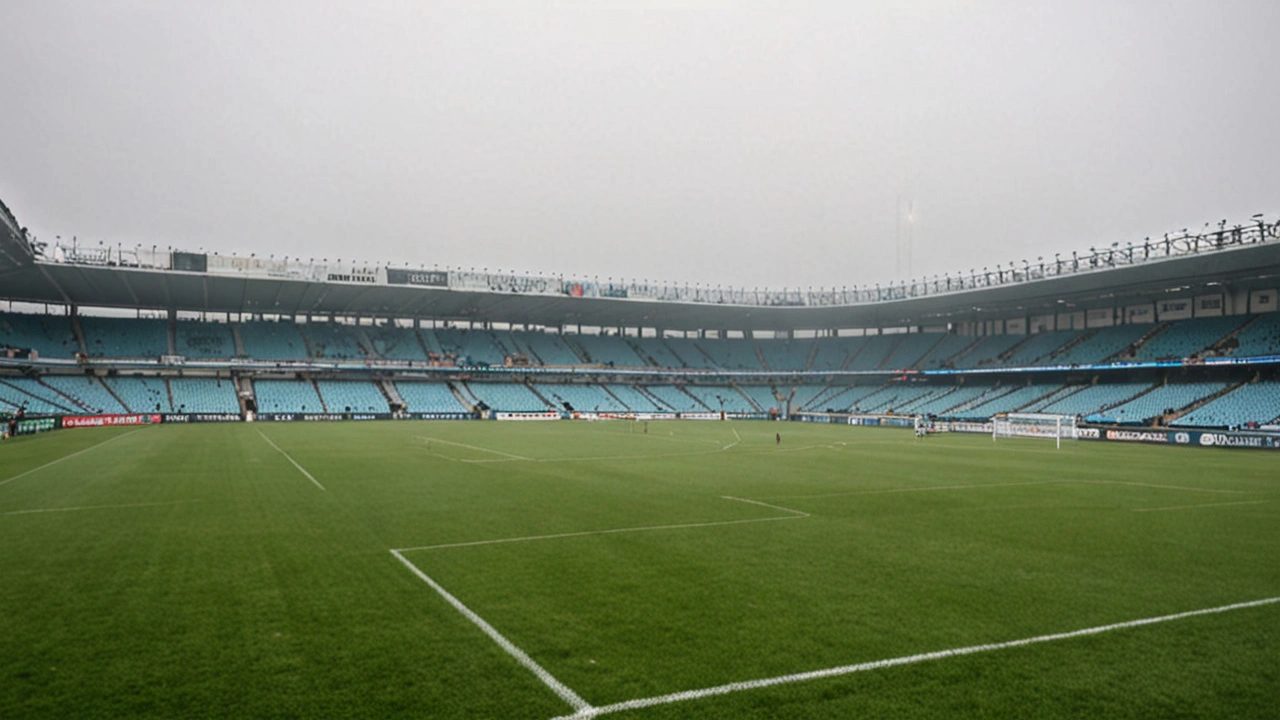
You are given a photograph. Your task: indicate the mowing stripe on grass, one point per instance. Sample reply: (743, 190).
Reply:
(290, 459)
(1188, 507)
(66, 457)
(476, 447)
(636, 704)
(95, 507)
(569, 696)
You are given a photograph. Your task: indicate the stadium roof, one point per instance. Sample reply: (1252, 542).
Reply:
(228, 285)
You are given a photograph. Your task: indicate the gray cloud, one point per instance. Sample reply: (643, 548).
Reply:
(718, 142)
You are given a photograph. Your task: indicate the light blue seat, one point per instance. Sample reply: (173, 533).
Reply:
(360, 396)
(286, 396)
(204, 395)
(125, 337)
(430, 397)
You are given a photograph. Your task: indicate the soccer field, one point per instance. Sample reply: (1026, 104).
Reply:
(540, 570)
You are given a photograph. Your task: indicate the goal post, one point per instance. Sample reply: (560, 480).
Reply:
(1035, 425)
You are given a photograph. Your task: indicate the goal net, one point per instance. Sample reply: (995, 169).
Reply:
(1035, 425)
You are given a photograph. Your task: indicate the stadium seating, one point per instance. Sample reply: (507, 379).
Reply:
(86, 391)
(802, 396)
(720, 398)
(352, 396)
(125, 337)
(833, 352)
(1257, 402)
(395, 343)
(287, 396)
(1090, 399)
(948, 347)
(732, 354)
(273, 340)
(987, 351)
(1187, 338)
(872, 352)
(583, 398)
(654, 351)
(894, 398)
(429, 397)
(607, 350)
(1261, 337)
(507, 396)
(1098, 346)
(689, 353)
(204, 339)
(1163, 398)
(473, 347)
(635, 400)
(203, 395)
(1012, 401)
(762, 395)
(50, 336)
(546, 348)
(675, 399)
(146, 339)
(25, 392)
(910, 350)
(1038, 347)
(333, 341)
(141, 395)
(940, 404)
(781, 354)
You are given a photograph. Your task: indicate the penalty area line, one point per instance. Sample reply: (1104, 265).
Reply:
(475, 447)
(639, 703)
(575, 701)
(290, 459)
(67, 457)
(795, 515)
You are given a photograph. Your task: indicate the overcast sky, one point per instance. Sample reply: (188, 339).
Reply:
(748, 144)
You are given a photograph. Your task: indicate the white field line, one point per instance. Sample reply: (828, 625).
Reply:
(67, 457)
(998, 485)
(290, 459)
(1164, 487)
(735, 433)
(802, 448)
(476, 447)
(915, 489)
(95, 507)
(1188, 507)
(566, 694)
(592, 712)
(801, 513)
(650, 456)
(531, 538)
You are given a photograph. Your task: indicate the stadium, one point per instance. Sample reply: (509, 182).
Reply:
(951, 403)
(1165, 343)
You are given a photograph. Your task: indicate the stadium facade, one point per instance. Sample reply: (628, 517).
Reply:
(1174, 335)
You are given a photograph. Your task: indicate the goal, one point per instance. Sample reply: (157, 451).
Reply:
(1035, 425)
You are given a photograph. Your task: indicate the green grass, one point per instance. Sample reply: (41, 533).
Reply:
(206, 576)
